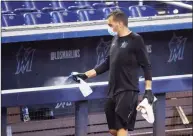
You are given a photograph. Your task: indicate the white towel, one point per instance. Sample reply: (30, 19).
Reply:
(146, 110)
(83, 86)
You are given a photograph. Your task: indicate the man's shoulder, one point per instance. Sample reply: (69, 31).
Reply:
(135, 35)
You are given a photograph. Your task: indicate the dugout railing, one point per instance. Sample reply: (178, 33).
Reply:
(53, 94)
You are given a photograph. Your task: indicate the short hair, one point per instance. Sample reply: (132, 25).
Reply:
(119, 15)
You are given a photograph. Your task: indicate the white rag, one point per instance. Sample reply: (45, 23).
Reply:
(83, 86)
(146, 110)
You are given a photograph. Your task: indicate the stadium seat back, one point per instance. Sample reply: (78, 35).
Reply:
(37, 18)
(18, 6)
(90, 14)
(73, 5)
(100, 5)
(64, 16)
(47, 6)
(82, 3)
(13, 20)
(108, 10)
(127, 4)
(95, 4)
(142, 11)
(4, 6)
(172, 9)
(66, 4)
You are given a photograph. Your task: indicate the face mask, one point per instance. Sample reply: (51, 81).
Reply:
(110, 30)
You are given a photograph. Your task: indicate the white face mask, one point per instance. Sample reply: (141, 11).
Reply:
(110, 30)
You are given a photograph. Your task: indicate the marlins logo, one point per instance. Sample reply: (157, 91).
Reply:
(102, 51)
(176, 47)
(24, 59)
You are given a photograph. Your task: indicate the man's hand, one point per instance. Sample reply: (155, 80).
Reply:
(83, 76)
(149, 95)
(89, 74)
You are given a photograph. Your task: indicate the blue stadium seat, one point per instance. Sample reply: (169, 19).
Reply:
(142, 11)
(17, 6)
(127, 4)
(95, 4)
(78, 3)
(47, 6)
(64, 16)
(108, 10)
(84, 3)
(4, 8)
(72, 5)
(66, 4)
(37, 18)
(177, 10)
(12, 20)
(74, 8)
(100, 5)
(172, 9)
(90, 14)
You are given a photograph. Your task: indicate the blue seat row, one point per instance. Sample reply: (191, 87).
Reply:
(172, 9)
(169, 9)
(57, 5)
(44, 6)
(32, 18)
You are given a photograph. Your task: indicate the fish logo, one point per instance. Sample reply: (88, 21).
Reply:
(102, 51)
(24, 58)
(176, 46)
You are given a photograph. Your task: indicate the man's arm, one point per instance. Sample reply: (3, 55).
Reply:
(144, 62)
(103, 67)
